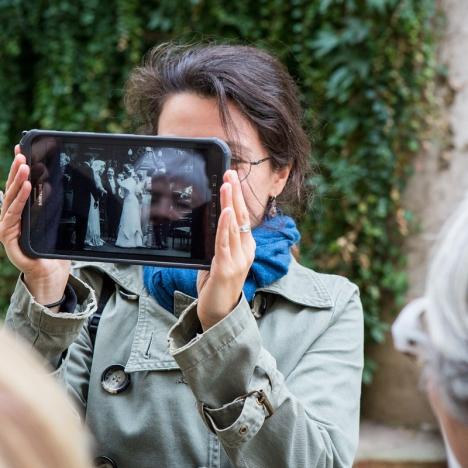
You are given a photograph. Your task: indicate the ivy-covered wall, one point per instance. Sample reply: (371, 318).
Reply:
(365, 69)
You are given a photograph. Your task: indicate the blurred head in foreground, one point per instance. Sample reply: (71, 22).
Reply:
(38, 427)
(435, 328)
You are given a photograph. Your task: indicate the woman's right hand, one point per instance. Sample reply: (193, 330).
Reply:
(45, 278)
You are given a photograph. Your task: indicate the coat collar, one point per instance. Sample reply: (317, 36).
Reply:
(300, 285)
(130, 277)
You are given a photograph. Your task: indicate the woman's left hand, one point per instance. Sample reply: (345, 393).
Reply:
(219, 289)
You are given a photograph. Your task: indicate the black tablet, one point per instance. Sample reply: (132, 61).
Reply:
(123, 198)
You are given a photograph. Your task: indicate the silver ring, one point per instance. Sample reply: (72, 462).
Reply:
(245, 228)
(2, 196)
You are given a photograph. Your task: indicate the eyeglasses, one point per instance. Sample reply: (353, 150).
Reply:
(243, 167)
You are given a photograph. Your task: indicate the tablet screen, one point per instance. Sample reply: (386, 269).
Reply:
(124, 198)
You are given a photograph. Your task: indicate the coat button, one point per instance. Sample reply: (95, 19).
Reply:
(114, 379)
(104, 462)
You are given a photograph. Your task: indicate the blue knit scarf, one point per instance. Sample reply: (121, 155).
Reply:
(274, 238)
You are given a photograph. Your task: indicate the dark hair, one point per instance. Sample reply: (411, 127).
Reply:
(255, 81)
(127, 168)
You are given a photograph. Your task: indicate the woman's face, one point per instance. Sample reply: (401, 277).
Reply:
(189, 115)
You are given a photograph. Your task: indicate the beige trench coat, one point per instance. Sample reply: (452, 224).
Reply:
(278, 384)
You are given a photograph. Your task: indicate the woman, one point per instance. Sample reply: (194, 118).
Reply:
(129, 233)
(270, 351)
(435, 329)
(93, 231)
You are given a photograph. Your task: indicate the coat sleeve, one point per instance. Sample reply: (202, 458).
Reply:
(60, 338)
(309, 419)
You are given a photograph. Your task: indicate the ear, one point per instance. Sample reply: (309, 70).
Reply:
(280, 177)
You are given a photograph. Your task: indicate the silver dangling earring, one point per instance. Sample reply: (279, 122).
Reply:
(272, 209)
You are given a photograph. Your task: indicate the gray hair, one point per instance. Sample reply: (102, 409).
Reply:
(447, 288)
(446, 313)
(435, 327)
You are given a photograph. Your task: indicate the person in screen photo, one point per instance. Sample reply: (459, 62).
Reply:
(66, 161)
(160, 226)
(85, 193)
(254, 362)
(93, 231)
(113, 203)
(129, 232)
(66, 232)
(145, 206)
